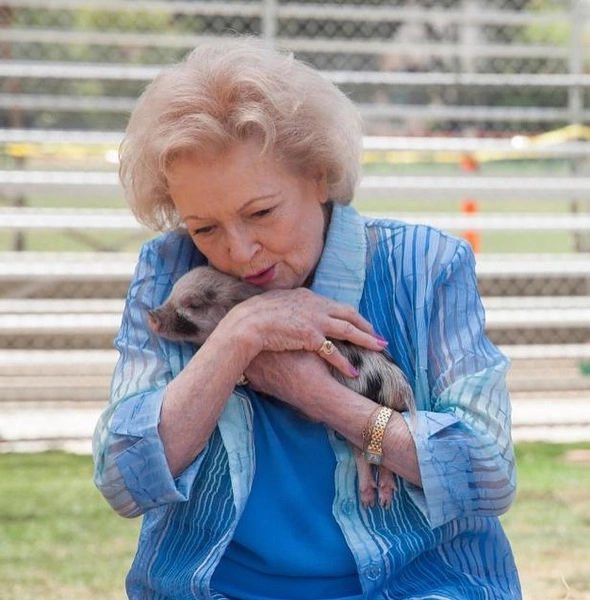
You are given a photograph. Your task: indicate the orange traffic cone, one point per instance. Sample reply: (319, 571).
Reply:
(469, 207)
(470, 164)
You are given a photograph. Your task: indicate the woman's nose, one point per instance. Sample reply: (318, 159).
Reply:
(242, 246)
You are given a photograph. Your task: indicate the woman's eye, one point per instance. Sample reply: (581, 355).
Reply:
(203, 230)
(262, 213)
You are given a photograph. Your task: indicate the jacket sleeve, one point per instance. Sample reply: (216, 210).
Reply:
(462, 431)
(131, 470)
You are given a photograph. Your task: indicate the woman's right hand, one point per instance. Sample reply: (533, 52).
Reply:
(292, 320)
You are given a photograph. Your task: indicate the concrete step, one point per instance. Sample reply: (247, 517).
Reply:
(33, 363)
(35, 427)
(85, 375)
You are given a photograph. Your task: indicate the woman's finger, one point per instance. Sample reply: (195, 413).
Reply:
(344, 330)
(332, 355)
(301, 320)
(350, 315)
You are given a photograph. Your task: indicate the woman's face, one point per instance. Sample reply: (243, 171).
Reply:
(250, 216)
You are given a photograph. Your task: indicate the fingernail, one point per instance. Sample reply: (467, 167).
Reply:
(354, 372)
(382, 341)
(381, 338)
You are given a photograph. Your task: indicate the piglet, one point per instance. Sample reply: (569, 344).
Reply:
(203, 296)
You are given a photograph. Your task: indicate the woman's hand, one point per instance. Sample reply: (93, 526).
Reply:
(290, 377)
(293, 320)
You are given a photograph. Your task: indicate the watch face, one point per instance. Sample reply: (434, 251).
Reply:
(373, 458)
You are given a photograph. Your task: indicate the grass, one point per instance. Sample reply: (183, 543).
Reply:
(60, 541)
(549, 524)
(58, 538)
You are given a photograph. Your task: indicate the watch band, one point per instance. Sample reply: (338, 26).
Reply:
(373, 453)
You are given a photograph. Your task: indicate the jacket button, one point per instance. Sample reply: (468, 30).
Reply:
(373, 572)
(347, 506)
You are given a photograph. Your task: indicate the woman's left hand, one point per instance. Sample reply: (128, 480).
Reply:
(293, 377)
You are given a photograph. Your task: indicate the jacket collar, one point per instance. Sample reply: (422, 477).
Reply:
(340, 274)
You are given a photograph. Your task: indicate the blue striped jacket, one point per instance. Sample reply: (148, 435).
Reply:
(417, 286)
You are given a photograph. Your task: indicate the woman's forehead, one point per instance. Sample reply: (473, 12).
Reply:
(202, 190)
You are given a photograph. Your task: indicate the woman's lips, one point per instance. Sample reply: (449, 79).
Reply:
(262, 277)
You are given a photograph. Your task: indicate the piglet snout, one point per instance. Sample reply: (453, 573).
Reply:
(154, 320)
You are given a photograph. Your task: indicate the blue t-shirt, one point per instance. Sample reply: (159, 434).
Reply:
(287, 544)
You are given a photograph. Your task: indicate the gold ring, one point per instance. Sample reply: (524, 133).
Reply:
(243, 380)
(327, 348)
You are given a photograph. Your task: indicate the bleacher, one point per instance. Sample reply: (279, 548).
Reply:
(62, 120)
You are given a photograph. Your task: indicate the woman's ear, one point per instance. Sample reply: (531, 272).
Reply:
(321, 181)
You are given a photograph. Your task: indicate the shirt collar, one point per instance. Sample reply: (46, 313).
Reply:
(340, 274)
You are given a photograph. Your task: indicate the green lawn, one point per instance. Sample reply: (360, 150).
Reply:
(60, 541)
(58, 538)
(549, 524)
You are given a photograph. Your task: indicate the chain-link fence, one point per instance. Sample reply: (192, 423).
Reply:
(447, 66)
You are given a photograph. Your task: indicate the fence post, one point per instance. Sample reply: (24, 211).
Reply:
(576, 61)
(578, 16)
(269, 20)
(469, 36)
(18, 240)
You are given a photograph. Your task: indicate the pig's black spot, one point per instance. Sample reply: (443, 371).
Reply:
(185, 327)
(355, 358)
(210, 295)
(374, 383)
(352, 353)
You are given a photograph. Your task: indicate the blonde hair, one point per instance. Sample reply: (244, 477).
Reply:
(226, 92)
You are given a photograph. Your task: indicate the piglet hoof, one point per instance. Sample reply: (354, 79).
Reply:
(386, 487)
(366, 481)
(367, 494)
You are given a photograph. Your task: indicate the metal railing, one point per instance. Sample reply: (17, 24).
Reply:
(443, 80)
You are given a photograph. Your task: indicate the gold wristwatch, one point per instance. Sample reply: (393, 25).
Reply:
(373, 453)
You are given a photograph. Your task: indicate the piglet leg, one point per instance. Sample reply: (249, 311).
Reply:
(366, 480)
(386, 486)
(369, 489)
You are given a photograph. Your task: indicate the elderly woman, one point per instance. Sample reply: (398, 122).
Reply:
(248, 160)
